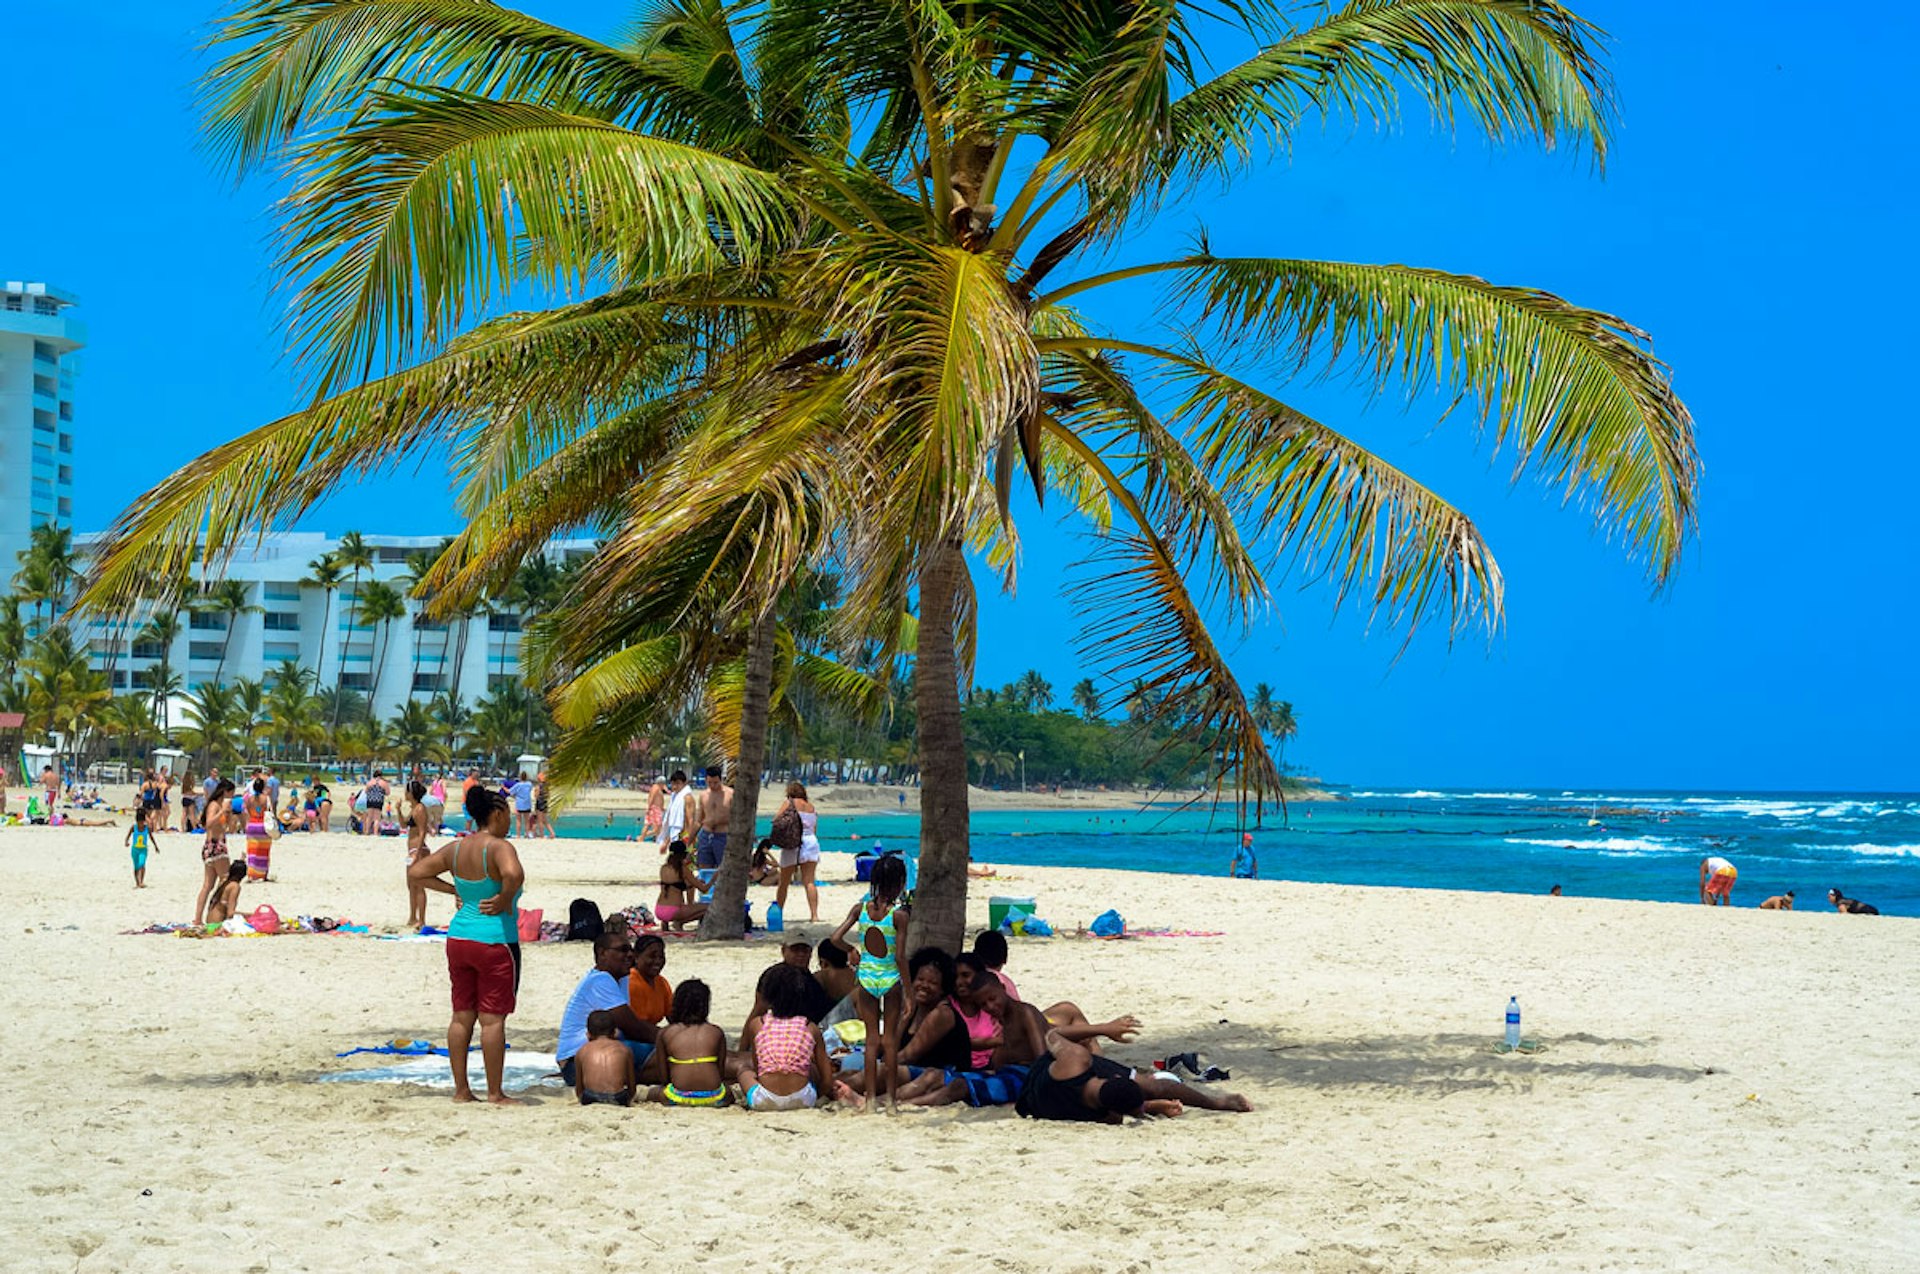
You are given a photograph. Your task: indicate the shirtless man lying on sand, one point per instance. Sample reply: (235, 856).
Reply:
(1779, 902)
(1069, 1082)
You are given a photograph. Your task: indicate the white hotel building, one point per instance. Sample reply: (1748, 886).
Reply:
(418, 657)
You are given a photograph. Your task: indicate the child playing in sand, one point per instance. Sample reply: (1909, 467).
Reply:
(695, 1049)
(879, 965)
(140, 842)
(226, 903)
(603, 1068)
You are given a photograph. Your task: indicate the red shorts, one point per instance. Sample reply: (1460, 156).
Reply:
(485, 975)
(1721, 884)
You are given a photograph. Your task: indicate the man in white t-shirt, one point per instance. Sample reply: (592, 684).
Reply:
(604, 987)
(673, 827)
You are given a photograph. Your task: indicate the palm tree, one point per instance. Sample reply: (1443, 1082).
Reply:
(212, 716)
(162, 629)
(324, 573)
(48, 567)
(414, 734)
(129, 720)
(852, 338)
(339, 703)
(453, 718)
(419, 563)
(226, 597)
(13, 638)
(1036, 692)
(293, 707)
(1283, 727)
(380, 604)
(1086, 698)
(353, 555)
(250, 713)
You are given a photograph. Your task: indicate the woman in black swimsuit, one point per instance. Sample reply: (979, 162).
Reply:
(933, 1036)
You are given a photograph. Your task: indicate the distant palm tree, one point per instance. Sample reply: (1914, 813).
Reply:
(1086, 698)
(324, 573)
(380, 605)
(226, 597)
(1282, 728)
(1034, 691)
(293, 707)
(452, 716)
(338, 703)
(211, 715)
(414, 734)
(353, 555)
(128, 719)
(162, 629)
(13, 638)
(250, 713)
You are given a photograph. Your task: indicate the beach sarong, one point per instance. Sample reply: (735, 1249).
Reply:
(259, 851)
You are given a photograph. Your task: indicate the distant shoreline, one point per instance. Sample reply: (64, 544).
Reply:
(885, 798)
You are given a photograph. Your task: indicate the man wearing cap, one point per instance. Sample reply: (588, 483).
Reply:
(1245, 865)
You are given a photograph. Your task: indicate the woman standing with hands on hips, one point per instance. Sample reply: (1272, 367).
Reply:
(483, 940)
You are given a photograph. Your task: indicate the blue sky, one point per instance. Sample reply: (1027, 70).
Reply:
(1755, 217)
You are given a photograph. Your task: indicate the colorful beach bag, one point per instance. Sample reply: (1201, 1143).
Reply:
(264, 919)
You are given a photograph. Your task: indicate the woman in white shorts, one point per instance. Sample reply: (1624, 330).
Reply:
(806, 859)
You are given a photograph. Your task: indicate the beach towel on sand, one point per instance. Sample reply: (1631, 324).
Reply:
(523, 1071)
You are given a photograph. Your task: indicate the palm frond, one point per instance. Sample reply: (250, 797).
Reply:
(1578, 392)
(581, 360)
(1514, 67)
(290, 65)
(1140, 622)
(410, 217)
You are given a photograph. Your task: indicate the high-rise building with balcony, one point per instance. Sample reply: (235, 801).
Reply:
(38, 356)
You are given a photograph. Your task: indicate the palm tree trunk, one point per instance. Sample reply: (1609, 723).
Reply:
(221, 666)
(319, 657)
(940, 903)
(346, 644)
(726, 918)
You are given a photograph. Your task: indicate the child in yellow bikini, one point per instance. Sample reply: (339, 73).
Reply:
(695, 1051)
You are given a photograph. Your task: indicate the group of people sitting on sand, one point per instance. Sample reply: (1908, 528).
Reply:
(934, 1027)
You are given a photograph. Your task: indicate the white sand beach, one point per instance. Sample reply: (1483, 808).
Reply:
(1721, 1091)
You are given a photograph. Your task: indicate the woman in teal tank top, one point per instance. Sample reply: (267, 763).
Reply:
(482, 869)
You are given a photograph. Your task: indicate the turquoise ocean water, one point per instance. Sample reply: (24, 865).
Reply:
(1648, 844)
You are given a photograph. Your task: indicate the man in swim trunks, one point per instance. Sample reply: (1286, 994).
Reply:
(1070, 1083)
(1716, 881)
(716, 816)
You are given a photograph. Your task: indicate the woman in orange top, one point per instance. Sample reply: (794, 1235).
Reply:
(648, 994)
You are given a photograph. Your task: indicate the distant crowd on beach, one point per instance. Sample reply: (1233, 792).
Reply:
(877, 1020)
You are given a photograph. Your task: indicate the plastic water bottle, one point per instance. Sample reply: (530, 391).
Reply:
(776, 921)
(1513, 1022)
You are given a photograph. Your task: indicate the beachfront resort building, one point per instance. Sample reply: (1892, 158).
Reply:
(38, 344)
(287, 617)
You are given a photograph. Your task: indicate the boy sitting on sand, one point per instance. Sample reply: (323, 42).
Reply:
(1779, 902)
(603, 1068)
